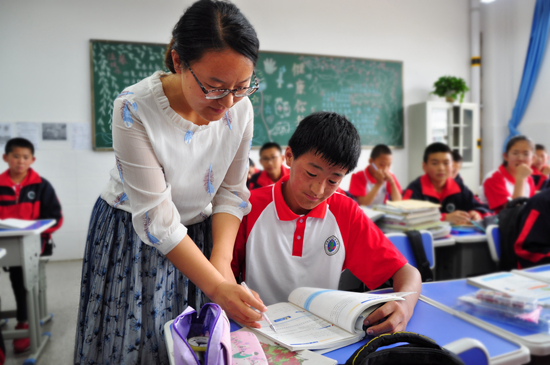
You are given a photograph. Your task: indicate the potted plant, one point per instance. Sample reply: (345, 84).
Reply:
(450, 87)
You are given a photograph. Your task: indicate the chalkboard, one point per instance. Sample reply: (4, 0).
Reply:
(368, 92)
(115, 66)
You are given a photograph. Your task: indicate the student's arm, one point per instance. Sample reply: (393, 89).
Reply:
(395, 189)
(458, 218)
(50, 207)
(398, 313)
(369, 198)
(522, 173)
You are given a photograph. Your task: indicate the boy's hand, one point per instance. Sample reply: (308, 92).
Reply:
(545, 170)
(395, 313)
(380, 176)
(458, 218)
(474, 215)
(236, 302)
(388, 176)
(523, 171)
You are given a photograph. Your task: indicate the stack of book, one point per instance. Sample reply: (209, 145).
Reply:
(408, 215)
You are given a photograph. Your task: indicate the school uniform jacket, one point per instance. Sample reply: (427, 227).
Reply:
(533, 244)
(454, 196)
(261, 179)
(362, 182)
(498, 188)
(539, 179)
(277, 251)
(34, 198)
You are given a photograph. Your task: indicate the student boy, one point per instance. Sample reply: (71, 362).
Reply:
(301, 234)
(271, 159)
(376, 184)
(25, 195)
(458, 204)
(540, 167)
(457, 164)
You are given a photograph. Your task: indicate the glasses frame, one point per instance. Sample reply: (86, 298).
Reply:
(226, 91)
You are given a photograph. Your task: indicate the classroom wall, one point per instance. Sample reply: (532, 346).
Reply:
(44, 66)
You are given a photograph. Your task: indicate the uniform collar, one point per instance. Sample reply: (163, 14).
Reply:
(265, 180)
(369, 176)
(506, 174)
(450, 188)
(536, 171)
(283, 211)
(31, 178)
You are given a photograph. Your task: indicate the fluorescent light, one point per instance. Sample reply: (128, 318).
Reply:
(487, 1)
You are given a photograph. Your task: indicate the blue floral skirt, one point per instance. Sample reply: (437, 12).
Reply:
(129, 291)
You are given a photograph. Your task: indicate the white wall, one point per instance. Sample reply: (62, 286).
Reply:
(44, 66)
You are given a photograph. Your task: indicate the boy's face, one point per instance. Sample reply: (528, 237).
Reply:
(540, 159)
(312, 180)
(382, 162)
(271, 160)
(438, 167)
(19, 160)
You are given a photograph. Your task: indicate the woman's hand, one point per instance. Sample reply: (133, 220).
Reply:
(236, 302)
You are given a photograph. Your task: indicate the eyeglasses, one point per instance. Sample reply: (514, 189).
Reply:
(221, 93)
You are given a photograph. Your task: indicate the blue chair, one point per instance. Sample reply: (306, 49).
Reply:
(401, 242)
(493, 239)
(470, 350)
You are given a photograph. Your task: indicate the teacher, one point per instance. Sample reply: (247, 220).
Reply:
(176, 195)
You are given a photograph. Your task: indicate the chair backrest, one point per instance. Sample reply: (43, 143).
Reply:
(401, 242)
(493, 239)
(470, 350)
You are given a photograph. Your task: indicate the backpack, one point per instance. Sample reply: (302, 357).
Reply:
(202, 338)
(509, 221)
(421, 350)
(422, 263)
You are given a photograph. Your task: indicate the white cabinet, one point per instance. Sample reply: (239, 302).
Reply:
(456, 125)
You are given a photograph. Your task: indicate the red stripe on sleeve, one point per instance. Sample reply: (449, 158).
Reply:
(518, 246)
(408, 194)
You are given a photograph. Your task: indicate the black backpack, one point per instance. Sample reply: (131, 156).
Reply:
(421, 350)
(509, 221)
(422, 263)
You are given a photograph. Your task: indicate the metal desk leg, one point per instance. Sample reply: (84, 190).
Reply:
(45, 317)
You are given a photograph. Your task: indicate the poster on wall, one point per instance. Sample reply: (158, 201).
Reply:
(54, 131)
(30, 131)
(81, 136)
(6, 133)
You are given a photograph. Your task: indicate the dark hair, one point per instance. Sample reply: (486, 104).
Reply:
(269, 145)
(329, 135)
(512, 141)
(456, 156)
(251, 163)
(436, 148)
(379, 149)
(540, 147)
(211, 25)
(18, 142)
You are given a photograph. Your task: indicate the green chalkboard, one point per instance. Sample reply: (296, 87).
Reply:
(115, 66)
(368, 92)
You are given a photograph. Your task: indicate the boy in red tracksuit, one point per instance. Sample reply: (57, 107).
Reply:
(25, 195)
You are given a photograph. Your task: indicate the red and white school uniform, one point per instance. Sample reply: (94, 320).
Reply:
(498, 188)
(362, 182)
(277, 251)
(538, 178)
(261, 179)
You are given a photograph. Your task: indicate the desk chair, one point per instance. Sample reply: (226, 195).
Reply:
(401, 242)
(470, 350)
(493, 238)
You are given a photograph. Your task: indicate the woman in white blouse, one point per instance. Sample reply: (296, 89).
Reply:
(181, 141)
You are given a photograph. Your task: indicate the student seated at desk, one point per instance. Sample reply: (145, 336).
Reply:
(271, 159)
(457, 164)
(540, 167)
(458, 204)
(533, 244)
(301, 234)
(513, 178)
(251, 171)
(26, 195)
(376, 184)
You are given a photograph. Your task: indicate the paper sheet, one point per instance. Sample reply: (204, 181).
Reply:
(30, 131)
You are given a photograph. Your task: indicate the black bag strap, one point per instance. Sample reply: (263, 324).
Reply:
(422, 263)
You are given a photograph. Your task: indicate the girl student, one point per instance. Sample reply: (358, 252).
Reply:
(176, 195)
(513, 178)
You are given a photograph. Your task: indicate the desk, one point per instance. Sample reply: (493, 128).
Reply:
(541, 272)
(445, 241)
(3, 252)
(443, 294)
(23, 249)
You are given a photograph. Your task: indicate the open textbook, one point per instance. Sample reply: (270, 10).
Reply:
(321, 319)
(12, 223)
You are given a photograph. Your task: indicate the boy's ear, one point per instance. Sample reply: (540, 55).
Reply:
(33, 159)
(370, 161)
(5, 157)
(424, 167)
(288, 156)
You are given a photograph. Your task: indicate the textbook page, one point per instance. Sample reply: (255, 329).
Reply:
(542, 275)
(12, 223)
(412, 204)
(512, 283)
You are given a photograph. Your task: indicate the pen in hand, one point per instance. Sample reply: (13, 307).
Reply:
(263, 314)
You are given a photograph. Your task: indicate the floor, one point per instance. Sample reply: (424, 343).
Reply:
(63, 280)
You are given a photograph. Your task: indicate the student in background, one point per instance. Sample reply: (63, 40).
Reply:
(533, 244)
(278, 247)
(376, 184)
(271, 159)
(251, 171)
(513, 178)
(458, 204)
(457, 164)
(540, 167)
(26, 195)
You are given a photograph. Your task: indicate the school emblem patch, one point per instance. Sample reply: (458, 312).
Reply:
(332, 245)
(450, 208)
(31, 195)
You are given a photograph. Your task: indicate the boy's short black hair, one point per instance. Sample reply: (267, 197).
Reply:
(251, 163)
(329, 135)
(269, 145)
(540, 147)
(379, 149)
(436, 148)
(456, 156)
(18, 142)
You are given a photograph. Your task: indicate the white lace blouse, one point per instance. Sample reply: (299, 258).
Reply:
(170, 172)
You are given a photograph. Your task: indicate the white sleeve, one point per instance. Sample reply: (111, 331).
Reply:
(233, 196)
(154, 215)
